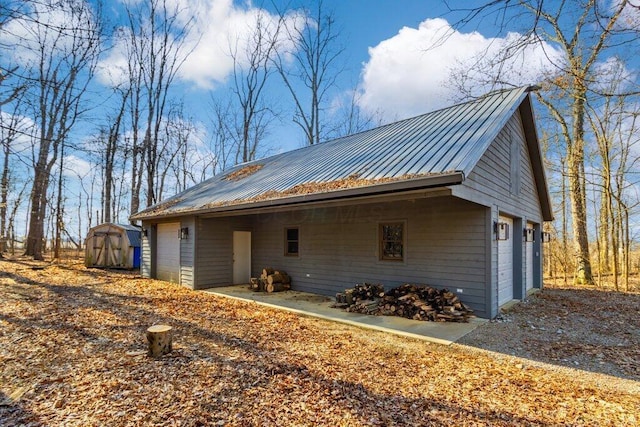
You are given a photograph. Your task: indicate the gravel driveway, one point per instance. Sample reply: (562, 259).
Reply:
(587, 329)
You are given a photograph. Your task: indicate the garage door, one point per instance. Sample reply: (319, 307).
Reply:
(168, 252)
(528, 253)
(505, 264)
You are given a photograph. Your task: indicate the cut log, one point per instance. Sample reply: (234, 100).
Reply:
(267, 271)
(160, 339)
(274, 278)
(274, 287)
(348, 296)
(278, 278)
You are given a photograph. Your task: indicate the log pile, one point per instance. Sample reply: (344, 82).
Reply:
(417, 302)
(271, 281)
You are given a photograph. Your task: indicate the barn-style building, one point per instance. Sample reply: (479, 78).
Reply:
(454, 198)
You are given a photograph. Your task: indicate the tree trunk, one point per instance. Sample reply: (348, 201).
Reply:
(38, 202)
(577, 196)
(59, 209)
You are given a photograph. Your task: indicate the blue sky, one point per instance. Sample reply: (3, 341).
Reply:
(387, 58)
(402, 57)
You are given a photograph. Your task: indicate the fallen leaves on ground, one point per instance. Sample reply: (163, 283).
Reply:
(588, 328)
(72, 346)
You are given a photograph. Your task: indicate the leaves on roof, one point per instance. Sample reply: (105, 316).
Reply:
(352, 181)
(243, 172)
(159, 207)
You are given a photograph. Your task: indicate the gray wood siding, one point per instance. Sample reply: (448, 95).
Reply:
(490, 183)
(445, 246)
(214, 250)
(187, 253)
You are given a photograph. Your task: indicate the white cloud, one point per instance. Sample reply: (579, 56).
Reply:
(411, 73)
(213, 25)
(613, 76)
(630, 15)
(41, 30)
(75, 166)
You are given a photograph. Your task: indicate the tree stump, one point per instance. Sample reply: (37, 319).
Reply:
(159, 337)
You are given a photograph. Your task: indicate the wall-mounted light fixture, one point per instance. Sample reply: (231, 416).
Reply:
(145, 232)
(501, 230)
(184, 233)
(546, 237)
(529, 235)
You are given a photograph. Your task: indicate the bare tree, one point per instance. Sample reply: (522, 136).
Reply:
(223, 144)
(112, 149)
(315, 65)
(10, 10)
(157, 49)
(193, 161)
(13, 126)
(63, 58)
(350, 118)
(252, 66)
(615, 126)
(585, 31)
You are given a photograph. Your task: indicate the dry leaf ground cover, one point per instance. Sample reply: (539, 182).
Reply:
(70, 343)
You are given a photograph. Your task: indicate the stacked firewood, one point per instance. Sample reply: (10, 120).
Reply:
(418, 302)
(271, 281)
(359, 293)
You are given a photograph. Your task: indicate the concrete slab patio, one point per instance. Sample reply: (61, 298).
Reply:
(319, 306)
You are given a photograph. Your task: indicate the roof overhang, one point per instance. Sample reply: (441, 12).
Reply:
(408, 187)
(533, 145)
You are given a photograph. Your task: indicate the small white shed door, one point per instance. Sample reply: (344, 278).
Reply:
(528, 253)
(505, 264)
(168, 252)
(107, 249)
(241, 257)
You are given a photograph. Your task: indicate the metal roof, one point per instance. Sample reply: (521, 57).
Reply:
(444, 143)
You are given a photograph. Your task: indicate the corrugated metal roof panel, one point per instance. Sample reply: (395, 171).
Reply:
(443, 141)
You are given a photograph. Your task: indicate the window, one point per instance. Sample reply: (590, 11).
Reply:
(292, 242)
(392, 241)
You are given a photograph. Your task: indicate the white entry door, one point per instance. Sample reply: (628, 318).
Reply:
(168, 252)
(505, 264)
(241, 257)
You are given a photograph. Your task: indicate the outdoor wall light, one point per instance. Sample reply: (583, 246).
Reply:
(145, 232)
(546, 237)
(502, 230)
(528, 235)
(184, 233)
